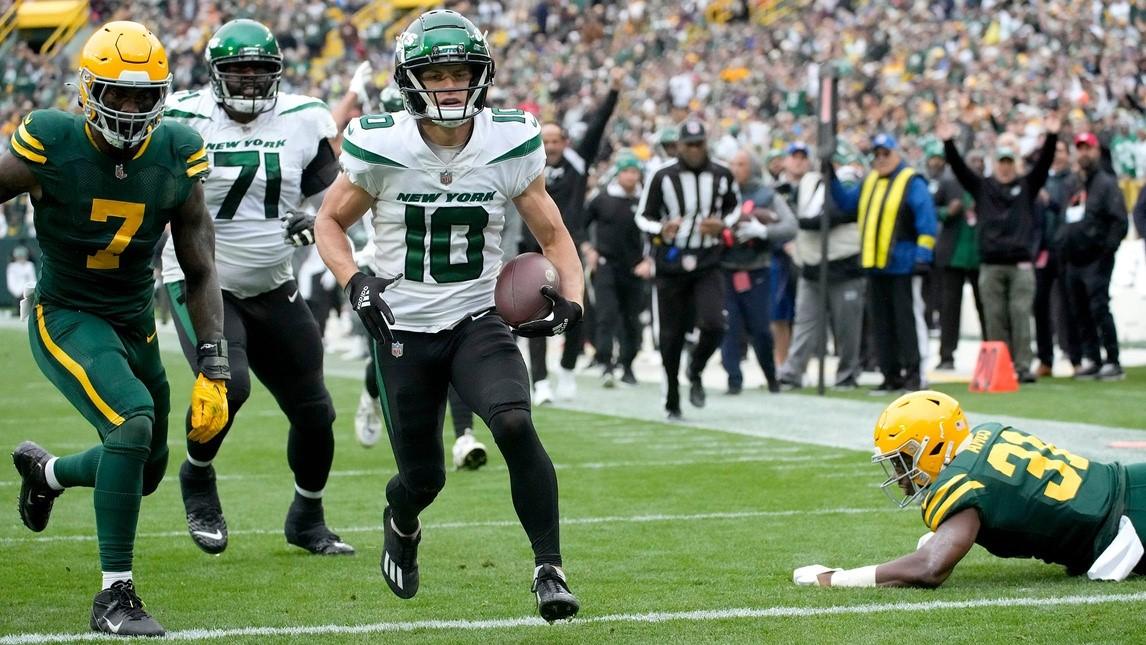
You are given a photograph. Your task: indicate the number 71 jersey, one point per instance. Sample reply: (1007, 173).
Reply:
(1033, 499)
(439, 223)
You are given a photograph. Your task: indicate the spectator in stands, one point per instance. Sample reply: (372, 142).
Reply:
(1095, 225)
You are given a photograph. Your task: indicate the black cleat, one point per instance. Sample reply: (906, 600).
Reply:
(673, 415)
(399, 558)
(306, 528)
(205, 521)
(36, 497)
(627, 376)
(119, 611)
(554, 600)
(696, 394)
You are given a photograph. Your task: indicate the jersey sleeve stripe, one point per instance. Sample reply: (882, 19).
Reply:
(520, 151)
(197, 156)
(194, 171)
(24, 153)
(75, 369)
(183, 114)
(941, 512)
(305, 106)
(369, 157)
(27, 138)
(934, 498)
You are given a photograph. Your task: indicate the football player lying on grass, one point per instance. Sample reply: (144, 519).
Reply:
(1001, 488)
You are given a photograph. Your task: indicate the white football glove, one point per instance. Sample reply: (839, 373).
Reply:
(362, 76)
(751, 229)
(809, 575)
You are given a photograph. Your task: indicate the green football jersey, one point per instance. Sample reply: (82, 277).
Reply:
(1034, 500)
(98, 220)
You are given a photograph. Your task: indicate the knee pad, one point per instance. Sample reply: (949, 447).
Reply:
(133, 436)
(238, 389)
(316, 413)
(511, 424)
(154, 470)
(425, 482)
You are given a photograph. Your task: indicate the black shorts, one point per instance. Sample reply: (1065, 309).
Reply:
(479, 357)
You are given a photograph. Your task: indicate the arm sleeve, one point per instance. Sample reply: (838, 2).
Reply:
(783, 230)
(320, 173)
(967, 177)
(591, 142)
(729, 196)
(590, 230)
(648, 216)
(926, 225)
(1038, 176)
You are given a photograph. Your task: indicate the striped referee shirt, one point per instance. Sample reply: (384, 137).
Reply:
(679, 193)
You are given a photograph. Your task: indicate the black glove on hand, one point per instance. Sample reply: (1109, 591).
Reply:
(365, 294)
(212, 358)
(565, 314)
(298, 229)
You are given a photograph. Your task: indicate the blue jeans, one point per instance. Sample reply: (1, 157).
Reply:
(748, 311)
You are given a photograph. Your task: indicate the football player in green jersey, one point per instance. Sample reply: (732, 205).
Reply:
(1001, 488)
(104, 184)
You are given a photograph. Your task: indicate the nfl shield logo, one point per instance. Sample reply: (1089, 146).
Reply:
(119, 172)
(446, 177)
(396, 349)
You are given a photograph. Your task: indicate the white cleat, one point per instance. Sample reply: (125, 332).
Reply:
(469, 454)
(566, 385)
(542, 393)
(368, 420)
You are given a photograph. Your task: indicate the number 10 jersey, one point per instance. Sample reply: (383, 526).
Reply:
(439, 223)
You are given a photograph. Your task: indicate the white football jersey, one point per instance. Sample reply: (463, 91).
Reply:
(440, 224)
(256, 178)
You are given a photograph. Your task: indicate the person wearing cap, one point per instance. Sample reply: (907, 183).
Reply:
(1095, 225)
(766, 222)
(956, 252)
(566, 179)
(1008, 239)
(897, 225)
(845, 278)
(614, 252)
(684, 209)
(667, 142)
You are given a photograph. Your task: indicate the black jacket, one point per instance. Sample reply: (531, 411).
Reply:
(613, 231)
(566, 182)
(1009, 230)
(1103, 222)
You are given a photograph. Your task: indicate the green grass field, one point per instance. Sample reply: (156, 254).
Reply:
(670, 534)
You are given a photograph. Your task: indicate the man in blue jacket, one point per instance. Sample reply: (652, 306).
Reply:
(897, 224)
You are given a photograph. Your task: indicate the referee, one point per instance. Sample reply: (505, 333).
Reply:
(683, 210)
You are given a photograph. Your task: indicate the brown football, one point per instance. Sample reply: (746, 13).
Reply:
(518, 292)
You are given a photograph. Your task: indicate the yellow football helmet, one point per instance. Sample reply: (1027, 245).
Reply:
(915, 437)
(124, 80)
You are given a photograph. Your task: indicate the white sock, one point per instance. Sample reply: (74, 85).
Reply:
(50, 475)
(111, 577)
(308, 494)
(196, 462)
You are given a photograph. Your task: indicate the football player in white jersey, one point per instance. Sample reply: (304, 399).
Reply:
(270, 155)
(440, 178)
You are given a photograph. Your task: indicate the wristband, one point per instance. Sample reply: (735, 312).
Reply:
(862, 577)
(213, 363)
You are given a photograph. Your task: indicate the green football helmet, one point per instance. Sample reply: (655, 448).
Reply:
(238, 47)
(392, 100)
(442, 37)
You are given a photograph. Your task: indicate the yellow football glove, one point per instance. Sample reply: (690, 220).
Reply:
(208, 409)
(209, 396)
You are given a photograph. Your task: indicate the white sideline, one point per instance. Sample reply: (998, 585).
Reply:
(608, 519)
(658, 617)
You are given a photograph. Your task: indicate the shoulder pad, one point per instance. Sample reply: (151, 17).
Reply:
(38, 132)
(189, 105)
(187, 145)
(512, 133)
(373, 138)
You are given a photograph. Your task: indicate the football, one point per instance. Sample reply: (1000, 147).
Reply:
(518, 293)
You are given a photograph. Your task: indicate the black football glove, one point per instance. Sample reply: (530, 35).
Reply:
(298, 229)
(365, 294)
(565, 314)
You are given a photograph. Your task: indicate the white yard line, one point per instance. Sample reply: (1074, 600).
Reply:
(700, 615)
(430, 526)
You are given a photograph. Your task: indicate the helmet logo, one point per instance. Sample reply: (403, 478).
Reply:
(408, 39)
(449, 50)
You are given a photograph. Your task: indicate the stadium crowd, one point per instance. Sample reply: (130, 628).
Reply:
(747, 69)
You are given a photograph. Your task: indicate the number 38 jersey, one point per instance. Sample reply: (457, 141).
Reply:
(256, 178)
(439, 224)
(1033, 499)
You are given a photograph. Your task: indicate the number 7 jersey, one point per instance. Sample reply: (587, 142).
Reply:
(1033, 499)
(439, 223)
